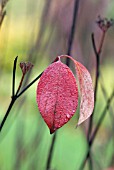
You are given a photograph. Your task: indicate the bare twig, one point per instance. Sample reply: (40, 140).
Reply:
(15, 96)
(101, 42)
(97, 54)
(7, 112)
(104, 24)
(90, 163)
(73, 30)
(96, 129)
(29, 85)
(106, 96)
(101, 118)
(51, 152)
(96, 81)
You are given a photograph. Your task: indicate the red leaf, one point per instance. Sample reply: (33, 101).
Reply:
(57, 95)
(86, 89)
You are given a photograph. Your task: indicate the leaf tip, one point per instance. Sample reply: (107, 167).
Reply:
(82, 119)
(52, 130)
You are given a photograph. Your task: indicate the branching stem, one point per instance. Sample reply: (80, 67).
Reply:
(7, 112)
(96, 129)
(97, 54)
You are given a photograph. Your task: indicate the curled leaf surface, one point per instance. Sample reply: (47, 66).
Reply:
(57, 95)
(87, 93)
(86, 90)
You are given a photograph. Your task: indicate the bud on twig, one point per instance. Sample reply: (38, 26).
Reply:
(104, 23)
(25, 67)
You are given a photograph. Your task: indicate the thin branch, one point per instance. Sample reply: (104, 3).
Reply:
(96, 83)
(101, 42)
(7, 112)
(97, 54)
(104, 24)
(73, 30)
(51, 152)
(96, 129)
(29, 85)
(90, 163)
(101, 118)
(97, 64)
(14, 72)
(106, 96)
(94, 46)
(20, 84)
(32, 82)
(16, 95)
(13, 95)
(14, 98)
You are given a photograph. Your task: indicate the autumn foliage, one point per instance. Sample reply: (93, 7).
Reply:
(57, 94)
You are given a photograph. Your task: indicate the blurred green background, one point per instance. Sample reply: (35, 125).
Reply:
(38, 31)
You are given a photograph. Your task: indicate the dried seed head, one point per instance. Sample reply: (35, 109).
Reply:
(104, 23)
(25, 67)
